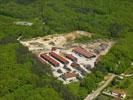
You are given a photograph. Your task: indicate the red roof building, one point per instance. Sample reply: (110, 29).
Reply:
(59, 58)
(50, 60)
(69, 75)
(41, 59)
(75, 65)
(83, 52)
(71, 57)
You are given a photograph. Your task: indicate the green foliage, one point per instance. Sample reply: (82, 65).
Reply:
(125, 84)
(90, 81)
(4, 1)
(22, 76)
(83, 39)
(115, 30)
(104, 97)
(25, 1)
(7, 39)
(109, 18)
(120, 56)
(14, 75)
(85, 86)
(27, 92)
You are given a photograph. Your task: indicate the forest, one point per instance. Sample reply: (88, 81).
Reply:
(24, 77)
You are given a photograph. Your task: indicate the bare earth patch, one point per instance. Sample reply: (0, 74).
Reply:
(87, 55)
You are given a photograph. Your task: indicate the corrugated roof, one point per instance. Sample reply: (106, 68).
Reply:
(49, 59)
(69, 75)
(59, 58)
(83, 52)
(71, 57)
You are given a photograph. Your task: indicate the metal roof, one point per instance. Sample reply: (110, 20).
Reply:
(83, 52)
(59, 58)
(70, 75)
(49, 59)
(71, 57)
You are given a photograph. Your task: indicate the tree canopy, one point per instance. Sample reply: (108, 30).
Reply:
(23, 76)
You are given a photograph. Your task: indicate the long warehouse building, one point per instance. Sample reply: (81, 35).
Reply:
(83, 52)
(50, 60)
(71, 57)
(59, 58)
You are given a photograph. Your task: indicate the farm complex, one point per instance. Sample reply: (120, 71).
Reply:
(69, 61)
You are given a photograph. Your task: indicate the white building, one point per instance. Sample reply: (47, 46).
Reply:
(119, 93)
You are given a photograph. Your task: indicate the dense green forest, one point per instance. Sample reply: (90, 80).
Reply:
(23, 77)
(120, 57)
(57, 16)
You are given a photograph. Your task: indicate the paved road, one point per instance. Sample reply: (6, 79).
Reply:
(98, 91)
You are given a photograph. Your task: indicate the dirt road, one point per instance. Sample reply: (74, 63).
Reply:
(127, 75)
(97, 92)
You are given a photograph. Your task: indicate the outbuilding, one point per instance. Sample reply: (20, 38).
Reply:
(71, 57)
(75, 65)
(69, 76)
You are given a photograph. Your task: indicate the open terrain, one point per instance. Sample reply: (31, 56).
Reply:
(74, 53)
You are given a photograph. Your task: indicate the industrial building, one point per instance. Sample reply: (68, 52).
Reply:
(50, 60)
(81, 51)
(71, 65)
(71, 57)
(66, 58)
(59, 58)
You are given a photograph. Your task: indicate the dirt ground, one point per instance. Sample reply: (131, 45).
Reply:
(64, 45)
(41, 44)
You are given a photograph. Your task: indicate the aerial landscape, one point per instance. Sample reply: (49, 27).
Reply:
(66, 50)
